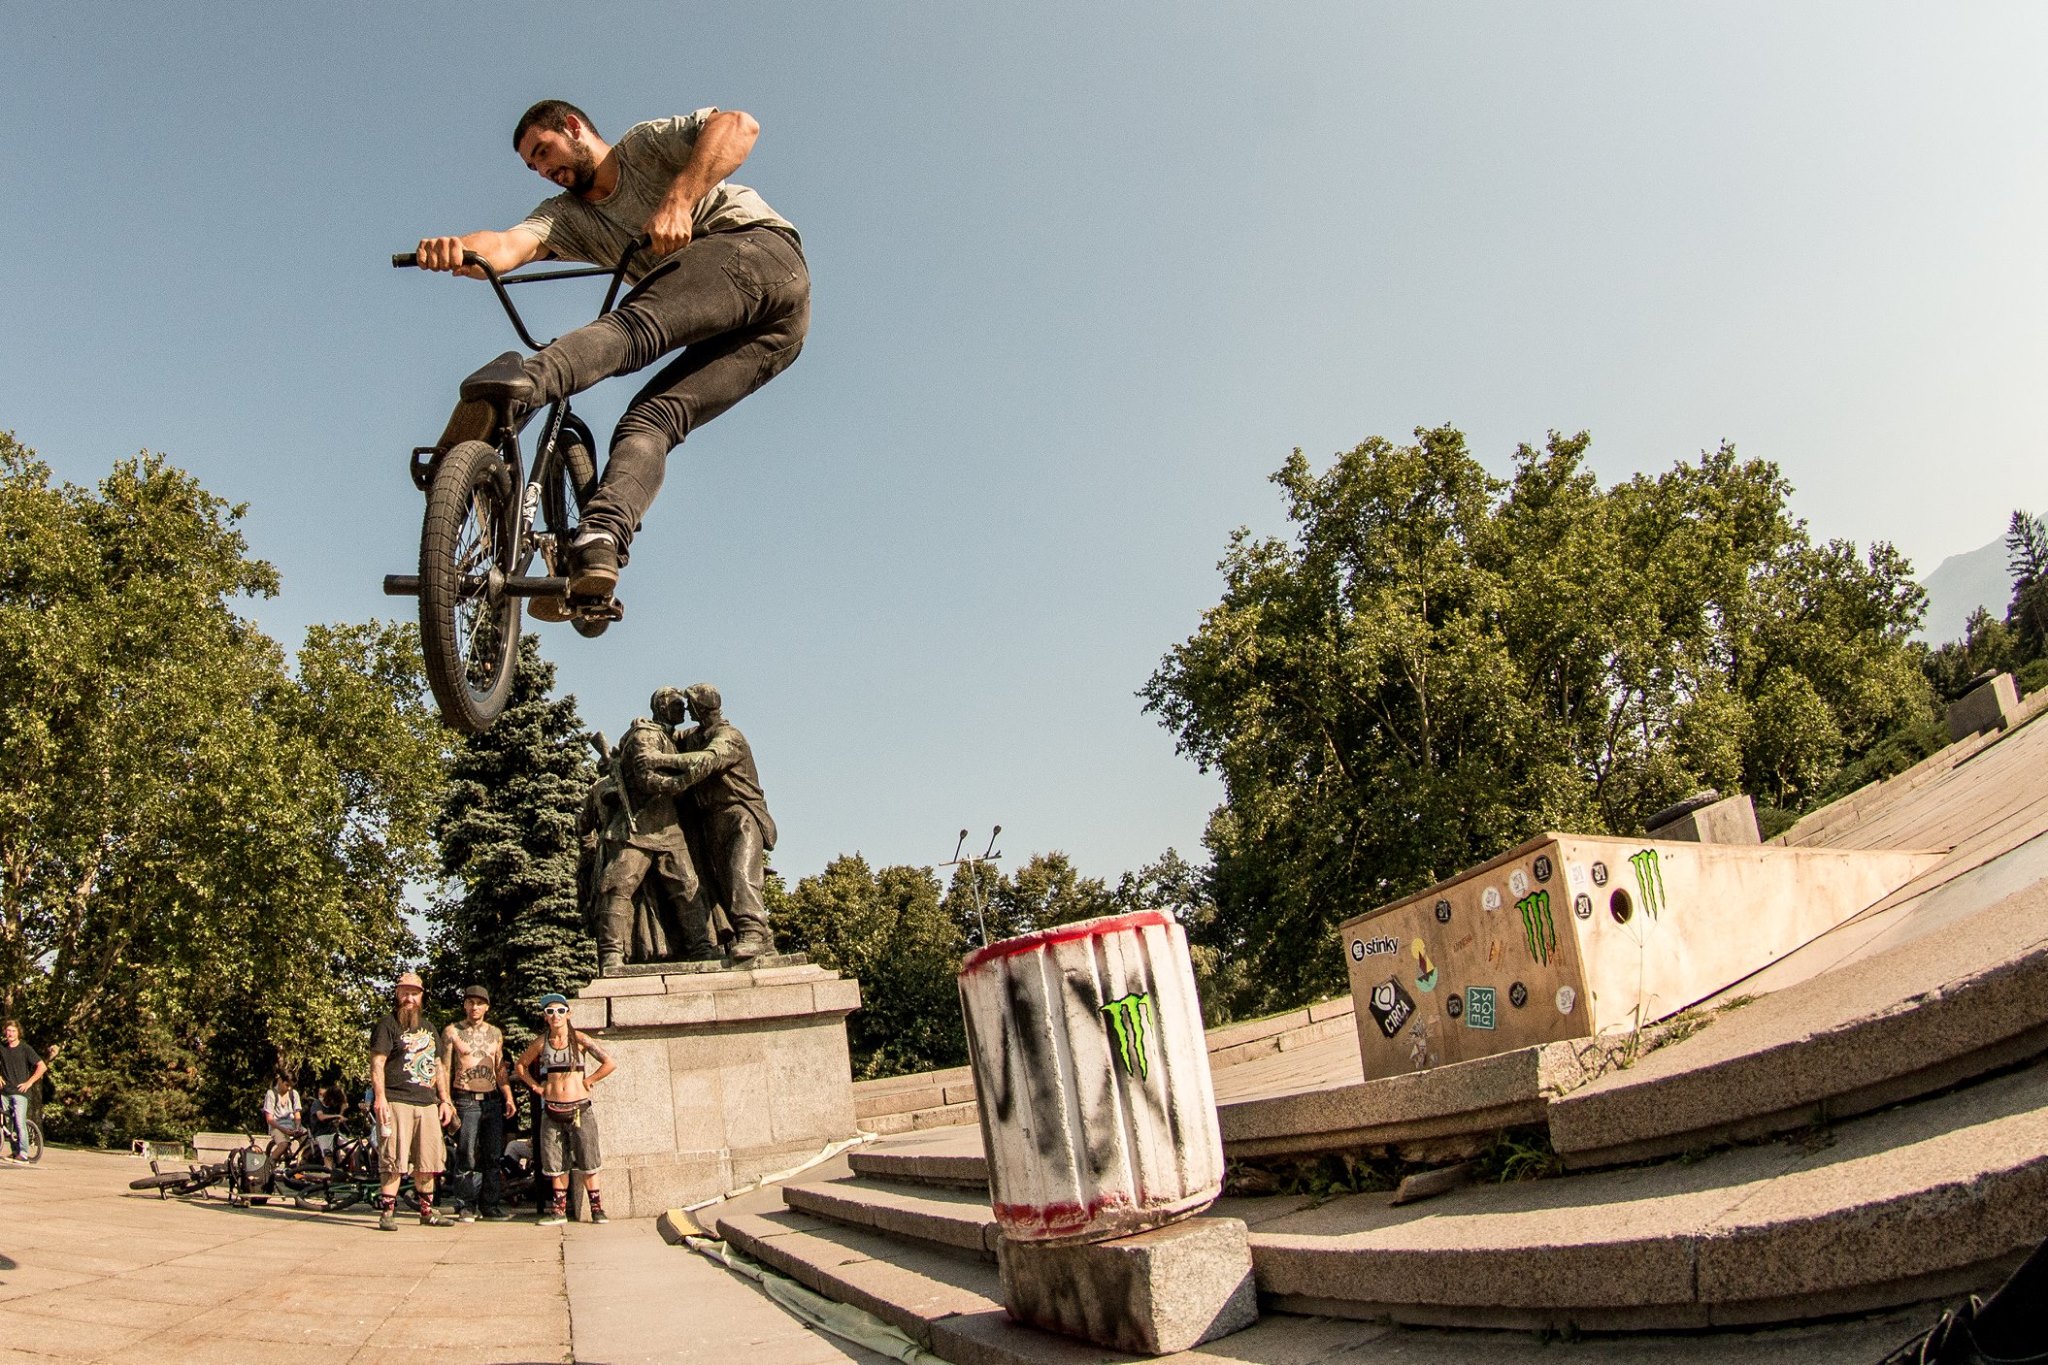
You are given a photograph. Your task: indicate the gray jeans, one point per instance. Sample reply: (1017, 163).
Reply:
(736, 304)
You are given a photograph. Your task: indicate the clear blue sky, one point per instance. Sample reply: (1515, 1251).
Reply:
(1084, 275)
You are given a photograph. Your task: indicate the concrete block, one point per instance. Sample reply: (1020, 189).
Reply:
(961, 1094)
(765, 1002)
(899, 1102)
(1342, 1006)
(633, 1103)
(947, 1117)
(662, 1011)
(590, 1014)
(622, 985)
(1993, 705)
(1729, 821)
(699, 1099)
(665, 1182)
(840, 994)
(886, 1125)
(807, 1076)
(1155, 1292)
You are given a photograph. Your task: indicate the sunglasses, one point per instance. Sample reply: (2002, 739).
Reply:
(554, 1009)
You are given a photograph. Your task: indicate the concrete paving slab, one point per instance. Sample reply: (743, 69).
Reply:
(958, 1219)
(635, 1299)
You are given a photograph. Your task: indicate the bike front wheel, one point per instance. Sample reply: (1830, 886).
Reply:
(469, 626)
(32, 1141)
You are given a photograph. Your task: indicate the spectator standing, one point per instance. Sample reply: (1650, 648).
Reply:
(556, 1068)
(21, 1071)
(473, 1054)
(410, 1098)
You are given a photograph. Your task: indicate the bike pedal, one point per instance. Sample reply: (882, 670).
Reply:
(597, 608)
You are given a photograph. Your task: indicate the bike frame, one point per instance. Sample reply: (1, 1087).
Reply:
(506, 437)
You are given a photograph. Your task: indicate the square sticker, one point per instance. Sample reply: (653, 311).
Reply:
(1479, 1007)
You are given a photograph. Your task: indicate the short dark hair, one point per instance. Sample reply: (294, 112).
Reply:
(551, 115)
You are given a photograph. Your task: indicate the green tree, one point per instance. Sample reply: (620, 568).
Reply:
(2026, 546)
(202, 854)
(889, 930)
(507, 831)
(1440, 664)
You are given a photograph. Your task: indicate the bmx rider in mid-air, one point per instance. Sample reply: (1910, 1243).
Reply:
(722, 280)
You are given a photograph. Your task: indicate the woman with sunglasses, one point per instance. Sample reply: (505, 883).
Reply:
(556, 1068)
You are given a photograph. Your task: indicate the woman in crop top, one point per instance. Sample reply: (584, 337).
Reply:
(556, 1067)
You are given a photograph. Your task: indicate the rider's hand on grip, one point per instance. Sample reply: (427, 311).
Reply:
(447, 254)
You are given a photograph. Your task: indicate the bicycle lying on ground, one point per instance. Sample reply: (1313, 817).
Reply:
(485, 524)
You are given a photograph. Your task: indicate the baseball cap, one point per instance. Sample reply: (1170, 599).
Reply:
(411, 979)
(477, 993)
(552, 999)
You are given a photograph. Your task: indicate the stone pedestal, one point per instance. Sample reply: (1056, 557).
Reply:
(1731, 820)
(1154, 1293)
(724, 1075)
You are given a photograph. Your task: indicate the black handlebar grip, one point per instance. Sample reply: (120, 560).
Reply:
(403, 259)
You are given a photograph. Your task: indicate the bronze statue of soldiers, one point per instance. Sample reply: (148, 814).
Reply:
(714, 765)
(652, 840)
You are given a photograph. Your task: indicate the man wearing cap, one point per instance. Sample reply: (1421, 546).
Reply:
(409, 1093)
(473, 1056)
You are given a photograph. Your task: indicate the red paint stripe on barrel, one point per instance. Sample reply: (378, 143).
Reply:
(1064, 933)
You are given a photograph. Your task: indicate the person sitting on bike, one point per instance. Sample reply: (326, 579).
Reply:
(330, 1112)
(722, 280)
(21, 1070)
(555, 1067)
(283, 1115)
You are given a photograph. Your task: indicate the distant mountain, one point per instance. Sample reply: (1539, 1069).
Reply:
(1962, 584)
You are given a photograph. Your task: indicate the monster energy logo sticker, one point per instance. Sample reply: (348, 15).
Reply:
(1127, 1017)
(1537, 929)
(1649, 880)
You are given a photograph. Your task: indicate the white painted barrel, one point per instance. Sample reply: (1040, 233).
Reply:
(1097, 1111)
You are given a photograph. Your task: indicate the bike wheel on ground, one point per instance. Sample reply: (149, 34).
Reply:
(32, 1142)
(469, 626)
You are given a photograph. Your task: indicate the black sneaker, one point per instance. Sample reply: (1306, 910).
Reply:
(593, 565)
(387, 1219)
(597, 1213)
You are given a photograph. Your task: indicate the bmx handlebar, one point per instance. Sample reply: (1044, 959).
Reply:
(403, 260)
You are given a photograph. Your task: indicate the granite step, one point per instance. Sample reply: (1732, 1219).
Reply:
(1953, 1002)
(947, 1159)
(955, 1220)
(952, 1306)
(1923, 1201)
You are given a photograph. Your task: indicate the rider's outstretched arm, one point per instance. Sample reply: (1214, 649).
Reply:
(507, 250)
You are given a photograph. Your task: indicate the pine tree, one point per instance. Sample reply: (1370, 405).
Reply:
(507, 831)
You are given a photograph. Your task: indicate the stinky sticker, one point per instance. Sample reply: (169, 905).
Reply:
(1539, 933)
(1577, 873)
(1425, 970)
(1566, 998)
(1649, 880)
(1454, 1004)
(1599, 874)
(1518, 995)
(1479, 1007)
(1518, 883)
(1582, 905)
(1541, 867)
(1363, 948)
(1391, 1006)
(1443, 912)
(1490, 898)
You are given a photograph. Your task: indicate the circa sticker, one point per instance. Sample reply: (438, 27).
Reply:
(1518, 883)
(1541, 867)
(1391, 1006)
(1443, 912)
(1454, 1004)
(1490, 898)
(1566, 998)
(1518, 995)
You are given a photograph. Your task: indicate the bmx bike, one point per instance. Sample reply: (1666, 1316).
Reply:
(29, 1149)
(486, 521)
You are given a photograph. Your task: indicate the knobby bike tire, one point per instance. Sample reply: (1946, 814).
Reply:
(470, 638)
(568, 476)
(167, 1181)
(33, 1152)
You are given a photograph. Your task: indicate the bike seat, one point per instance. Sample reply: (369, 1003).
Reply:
(502, 382)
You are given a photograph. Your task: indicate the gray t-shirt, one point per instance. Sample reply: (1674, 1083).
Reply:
(650, 155)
